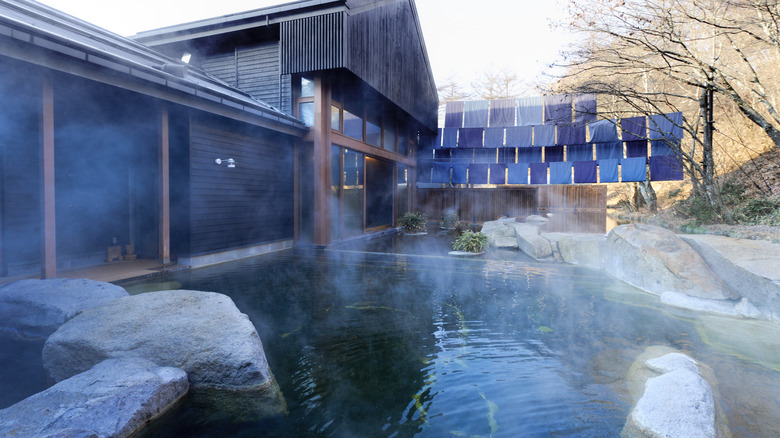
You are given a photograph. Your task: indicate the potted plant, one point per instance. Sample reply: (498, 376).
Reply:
(414, 222)
(450, 221)
(471, 242)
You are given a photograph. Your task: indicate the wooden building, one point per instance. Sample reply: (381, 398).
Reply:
(295, 123)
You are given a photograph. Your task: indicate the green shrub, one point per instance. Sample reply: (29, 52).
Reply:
(470, 241)
(450, 221)
(414, 222)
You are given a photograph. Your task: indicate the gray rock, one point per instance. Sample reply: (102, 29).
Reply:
(740, 309)
(582, 249)
(500, 234)
(657, 260)
(536, 219)
(37, 308)
(530, 242)
(202, 333)
(115, 398)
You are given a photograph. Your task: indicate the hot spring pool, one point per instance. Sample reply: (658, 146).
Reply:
(368, 344)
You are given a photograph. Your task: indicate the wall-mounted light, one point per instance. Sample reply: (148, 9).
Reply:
(231, 163)
(185, 57)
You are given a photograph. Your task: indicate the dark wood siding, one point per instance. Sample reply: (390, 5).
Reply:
(313, 43)
(248, 205)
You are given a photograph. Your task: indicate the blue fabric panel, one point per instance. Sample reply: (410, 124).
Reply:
(424, 171)
(544, 135)
(453, 114)
(497, 174)
(441, 173)
(530, 111)
(603, 131)
(494, 137)
(459, 175)
(450, 138)
(557, 109)
(462, 155)
(439, 138)
(609, 151)
(585, 172)
(666, 168)
(636, 149)
(570, 134)
(485, 156)
(579, 152)
(666, 126)
(585, 108)
(475, 114)
(538, 173)
(560, 173)
(634, 128)
(502, 112)
(428, 142)
(529, 155)
(517, 173)
(519, 136)
(478, 173)
(661, 147)
(506, 155)
(553, 153)
(470, 137)
(633, 169)
(442, 154)
(608, 170)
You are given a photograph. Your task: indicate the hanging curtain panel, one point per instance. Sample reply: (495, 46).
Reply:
(519, 136)
(470, 138)
(634, 128)
(529, 155)
(585, 108)
(544, 135)
(557, 109)
(662, 147)
(450, 138)
(494, 137)
(538, 173)
(439, 138)
(462, 155)
(517, 173)
(459, 173)
(530, 111)
(553, 154)
(478, 173)
(608, 170)
(570, 134)
(579, 152)
(666, 126)
(502, 112)
(636, 149)
(633, 169)
(453, 114)
(666, 168)
(603, 131)
(475, 114)
(497, 174)
(441, 173)
(609, 151)
(585, 172)
(428, 142)
(560, 173)
(424, 171)
(506, 155)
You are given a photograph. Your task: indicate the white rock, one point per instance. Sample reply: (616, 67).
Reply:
(739, 309)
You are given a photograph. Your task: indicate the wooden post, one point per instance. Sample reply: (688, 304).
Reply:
(322, 162)
(49, 232)
(164, 190)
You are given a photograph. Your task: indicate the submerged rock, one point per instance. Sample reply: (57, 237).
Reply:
(114, 398)
(202, 333)
(736, 308)
(531, 242)
(37, 308)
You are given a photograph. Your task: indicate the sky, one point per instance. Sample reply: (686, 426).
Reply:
(464, 38)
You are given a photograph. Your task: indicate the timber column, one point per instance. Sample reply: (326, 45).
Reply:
(49, 237)
(164, 190)
(322, 162)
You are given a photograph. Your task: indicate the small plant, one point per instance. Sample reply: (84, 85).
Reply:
(470, 241)
(414, 222)
(450, 221)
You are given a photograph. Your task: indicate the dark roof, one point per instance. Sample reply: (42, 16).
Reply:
(29, 29)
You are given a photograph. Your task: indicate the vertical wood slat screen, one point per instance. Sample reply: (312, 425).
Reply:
(313, 43)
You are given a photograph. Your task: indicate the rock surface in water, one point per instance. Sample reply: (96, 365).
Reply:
(202, 333)
(581, 249)
(531, 242)
(500, 234)
(657, 260)
(39, 307)
(114, 398)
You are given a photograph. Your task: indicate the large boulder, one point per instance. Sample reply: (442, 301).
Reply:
(500, 234)
(530, 241)
(202, 333)
(657, 260)
(37, 308)
(114, 398)
(582, 249)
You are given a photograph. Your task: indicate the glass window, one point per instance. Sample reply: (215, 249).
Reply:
(389, 140)
(374, 129)
(335, 118)
(306, 111)
(307, 87)
(353, 193)
(403, 144)
(335, 190)
(353, 125)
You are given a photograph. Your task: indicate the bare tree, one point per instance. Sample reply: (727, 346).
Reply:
(497, 84)
(451, 90)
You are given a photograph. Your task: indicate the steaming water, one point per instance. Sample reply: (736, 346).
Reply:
(368, 344)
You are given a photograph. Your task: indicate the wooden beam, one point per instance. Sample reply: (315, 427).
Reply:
(49, 232)
(322, 162)
(164, 190)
